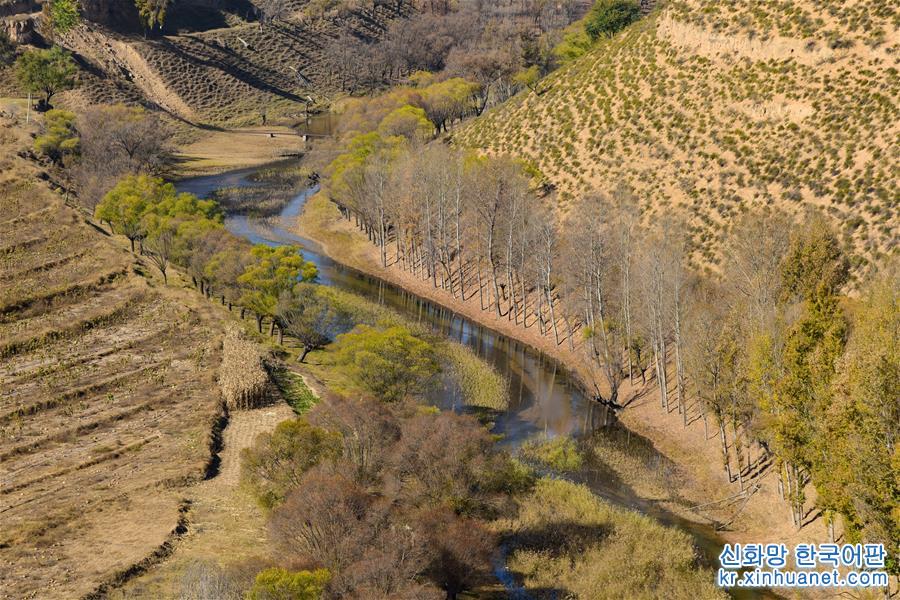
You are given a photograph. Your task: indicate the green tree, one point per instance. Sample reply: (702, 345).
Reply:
(815, 264)
(408, 121)
(7, 50)
(272, 272)
(64, 15)
(575, 43)
(311, 318)
(281, 584)
(46, 72)
(275, 463)
(790, 371)
(152, 13)
(391, 363)
(60, 137)
(529, 77)
(860, 474)
(124, 206)
(141, 204)
(449, 100)
(608, 17)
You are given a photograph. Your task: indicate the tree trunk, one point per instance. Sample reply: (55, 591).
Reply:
(725, 458)
(306, 350)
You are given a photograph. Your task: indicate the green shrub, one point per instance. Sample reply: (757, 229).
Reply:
(60, 137)
(281, 584)
(608, 17)
(275, 463)
(559, 453)
(390, 364)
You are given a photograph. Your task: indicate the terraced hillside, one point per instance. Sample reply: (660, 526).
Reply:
(714, 107)
(107, 395)
(225, 74)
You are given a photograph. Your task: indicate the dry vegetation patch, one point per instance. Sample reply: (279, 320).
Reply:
(242, 375)
(107, 398)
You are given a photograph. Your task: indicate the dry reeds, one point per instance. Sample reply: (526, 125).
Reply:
(242, 376)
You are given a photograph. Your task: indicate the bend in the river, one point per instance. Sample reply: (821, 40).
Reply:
(544, 398)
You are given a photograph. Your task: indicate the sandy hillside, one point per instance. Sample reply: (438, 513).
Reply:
(715, 108)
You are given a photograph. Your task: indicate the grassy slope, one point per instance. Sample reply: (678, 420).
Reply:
(716, 110)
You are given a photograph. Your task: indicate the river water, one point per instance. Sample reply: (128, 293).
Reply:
(544, 398)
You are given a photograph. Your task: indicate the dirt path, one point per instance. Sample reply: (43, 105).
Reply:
(226, 525)
(150, 82)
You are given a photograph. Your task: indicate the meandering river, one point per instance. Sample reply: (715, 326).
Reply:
(544, 398)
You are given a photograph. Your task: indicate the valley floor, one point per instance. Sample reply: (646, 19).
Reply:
(763, 517)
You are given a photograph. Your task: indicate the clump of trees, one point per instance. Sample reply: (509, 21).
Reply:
(117, 141)
(486, 43)
(65, 15)
(390, 499)
(104, 144)
(168, 227)
(608, 17)
(152, 13)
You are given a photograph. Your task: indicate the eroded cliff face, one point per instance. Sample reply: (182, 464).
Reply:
(114, 13)
(11, 8)
(23, 15)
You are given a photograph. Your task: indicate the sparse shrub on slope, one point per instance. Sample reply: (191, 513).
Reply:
(716, 121)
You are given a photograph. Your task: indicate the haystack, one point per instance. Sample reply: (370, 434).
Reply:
(242, 376)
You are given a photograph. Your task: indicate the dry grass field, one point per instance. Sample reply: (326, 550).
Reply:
(107, 394)
(715, 108)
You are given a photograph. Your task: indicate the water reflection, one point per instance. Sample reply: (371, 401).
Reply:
(544, 399)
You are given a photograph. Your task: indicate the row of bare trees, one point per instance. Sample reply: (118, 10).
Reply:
(616, 286)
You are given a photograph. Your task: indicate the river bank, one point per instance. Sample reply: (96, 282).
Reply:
(695, 452)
